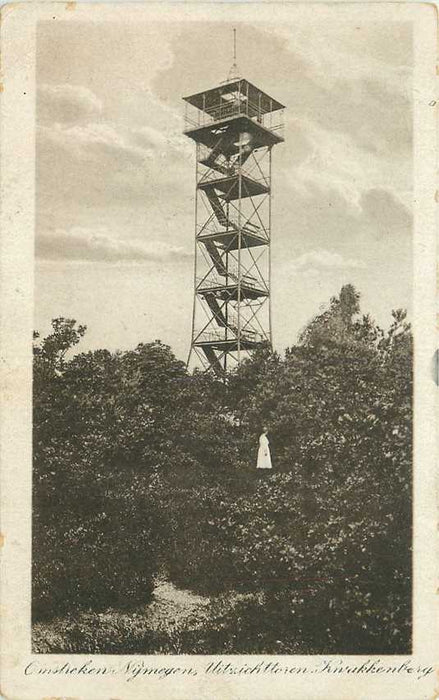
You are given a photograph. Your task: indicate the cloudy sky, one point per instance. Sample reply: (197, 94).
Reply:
(115, 175)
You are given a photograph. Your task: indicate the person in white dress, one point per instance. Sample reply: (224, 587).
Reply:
(264, 457)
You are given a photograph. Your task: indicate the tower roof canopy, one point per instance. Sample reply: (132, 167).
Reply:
(209, 99)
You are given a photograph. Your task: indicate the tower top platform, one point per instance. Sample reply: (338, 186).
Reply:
(217, 100)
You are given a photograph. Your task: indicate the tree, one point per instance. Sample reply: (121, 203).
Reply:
(338, 408)
(129, 441)
(96, 525)
(336, 323)
(53, 349)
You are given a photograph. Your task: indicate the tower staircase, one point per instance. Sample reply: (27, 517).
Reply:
(235, 128)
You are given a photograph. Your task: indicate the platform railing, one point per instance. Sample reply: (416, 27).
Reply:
(214, 336)
(214, 280)
(194, 117)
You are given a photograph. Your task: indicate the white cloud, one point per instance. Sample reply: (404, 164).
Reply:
(322, 259)
(72, 118)
(98, 245)
(333, 162)
(98, 162)
(162, 142)
(359, 50)
(75, 113)
(92, 139)
(332, 166)
(67, 104)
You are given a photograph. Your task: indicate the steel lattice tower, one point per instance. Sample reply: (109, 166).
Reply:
(235, 127)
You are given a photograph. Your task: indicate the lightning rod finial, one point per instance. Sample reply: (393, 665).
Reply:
(234, 71)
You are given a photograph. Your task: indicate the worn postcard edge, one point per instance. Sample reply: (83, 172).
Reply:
(17, 133)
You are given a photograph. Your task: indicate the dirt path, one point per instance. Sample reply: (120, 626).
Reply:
(176, 608)
(172, 622)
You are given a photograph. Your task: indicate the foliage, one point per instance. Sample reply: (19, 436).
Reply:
(319, 550)
(96, 527)
(336, 520)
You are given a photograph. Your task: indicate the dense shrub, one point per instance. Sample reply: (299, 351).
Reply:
(97, 525)
(337, 523)
(140, 466)
(336, 579)
(100, 551)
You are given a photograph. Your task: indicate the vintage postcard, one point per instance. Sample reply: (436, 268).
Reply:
(218, 301)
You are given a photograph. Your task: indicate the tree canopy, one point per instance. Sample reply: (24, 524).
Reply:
(131, 443)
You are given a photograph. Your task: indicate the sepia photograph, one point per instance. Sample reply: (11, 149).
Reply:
(218, 413)
(222, 382)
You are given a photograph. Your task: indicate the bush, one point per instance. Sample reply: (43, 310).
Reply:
(99, 431)
(105, 558)
(336, 576)
(139, 465)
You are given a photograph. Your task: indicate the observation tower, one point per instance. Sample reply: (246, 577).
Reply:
(234, 127)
